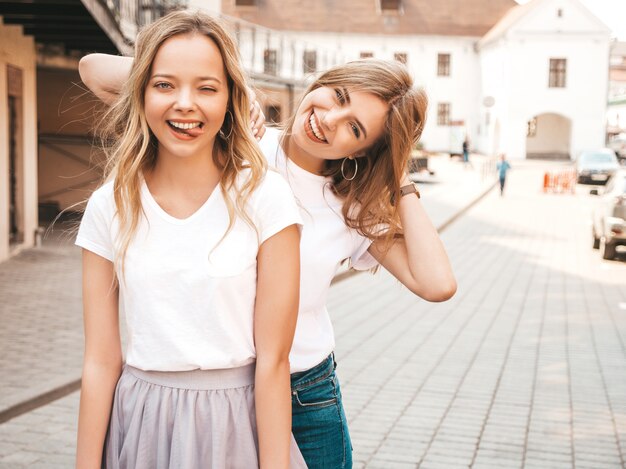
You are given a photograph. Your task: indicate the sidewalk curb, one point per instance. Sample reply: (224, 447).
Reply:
(349, 273)
(66, 389)
(39, 401)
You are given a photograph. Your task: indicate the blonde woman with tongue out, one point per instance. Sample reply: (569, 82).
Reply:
(200, 243)
(344, 153)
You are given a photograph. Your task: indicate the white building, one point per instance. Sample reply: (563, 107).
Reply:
(616, 113)
(529, 80)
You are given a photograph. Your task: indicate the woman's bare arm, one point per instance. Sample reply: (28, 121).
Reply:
(419, 260)
(105, 74)
(275, 315)
(103, 358)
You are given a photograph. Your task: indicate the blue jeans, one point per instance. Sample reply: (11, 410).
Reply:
(319, 422)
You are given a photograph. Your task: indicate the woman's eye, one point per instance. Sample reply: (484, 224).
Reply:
(339, 95)
(208, 89)
(355, 130)
(162, 85)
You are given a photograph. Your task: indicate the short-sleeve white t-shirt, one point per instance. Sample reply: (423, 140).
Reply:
(188, 297)
(326, 242)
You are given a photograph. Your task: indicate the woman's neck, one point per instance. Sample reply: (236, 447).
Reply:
(310, 163)
(189, 174)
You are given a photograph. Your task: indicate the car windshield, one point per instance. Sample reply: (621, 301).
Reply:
(597, 158)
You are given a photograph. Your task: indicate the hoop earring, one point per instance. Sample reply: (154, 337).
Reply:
(232, 126)
(356, 169)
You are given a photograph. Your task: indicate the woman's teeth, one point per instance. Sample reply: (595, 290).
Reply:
(315, 129)
(185, 125)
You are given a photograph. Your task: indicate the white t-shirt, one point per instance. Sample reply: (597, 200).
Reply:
(186, 306)
(326, 242)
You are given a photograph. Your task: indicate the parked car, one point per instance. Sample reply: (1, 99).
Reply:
(596, 166)
(609, 216)
(618, 145)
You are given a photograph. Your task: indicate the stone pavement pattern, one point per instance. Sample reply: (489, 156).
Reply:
(524, 368)
(41, 338)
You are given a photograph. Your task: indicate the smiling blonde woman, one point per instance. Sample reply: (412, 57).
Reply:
(200, 243)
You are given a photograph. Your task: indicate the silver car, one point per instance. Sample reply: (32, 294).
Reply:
(609, 216)
(596, 166)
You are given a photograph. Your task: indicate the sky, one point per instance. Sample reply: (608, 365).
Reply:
(611, 12)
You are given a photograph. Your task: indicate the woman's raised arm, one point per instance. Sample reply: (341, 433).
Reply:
(418, 260)
(105, 74)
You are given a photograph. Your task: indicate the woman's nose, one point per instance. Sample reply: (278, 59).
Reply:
(331, 118)
(184, 100)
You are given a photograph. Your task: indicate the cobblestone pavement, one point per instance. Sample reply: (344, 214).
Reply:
(525, 367)
(41, 339)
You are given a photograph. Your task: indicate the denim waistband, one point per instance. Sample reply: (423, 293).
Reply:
(317, 373)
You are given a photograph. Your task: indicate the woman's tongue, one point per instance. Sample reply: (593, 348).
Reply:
(193, 132)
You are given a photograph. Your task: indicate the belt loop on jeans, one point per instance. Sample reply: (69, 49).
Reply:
(332, 355)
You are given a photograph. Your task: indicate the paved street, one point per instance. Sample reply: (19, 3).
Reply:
(524, 368)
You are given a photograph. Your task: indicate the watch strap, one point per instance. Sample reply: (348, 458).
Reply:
(410, 189)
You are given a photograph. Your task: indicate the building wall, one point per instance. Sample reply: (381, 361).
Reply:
(18, 51)
(521, 60)
(69, 159)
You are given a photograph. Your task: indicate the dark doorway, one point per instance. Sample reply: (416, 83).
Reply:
(16, 157)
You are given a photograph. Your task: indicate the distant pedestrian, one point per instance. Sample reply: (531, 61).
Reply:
(466, 150)
(502, 167)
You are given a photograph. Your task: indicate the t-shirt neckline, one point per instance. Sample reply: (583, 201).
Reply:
(169, 218)
(292, 166)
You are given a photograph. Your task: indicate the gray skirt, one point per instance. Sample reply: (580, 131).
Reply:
(196, 419)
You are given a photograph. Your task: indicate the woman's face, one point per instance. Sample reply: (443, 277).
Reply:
(187, 95)
(334, 123)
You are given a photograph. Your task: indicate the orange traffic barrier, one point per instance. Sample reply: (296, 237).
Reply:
(560, 182)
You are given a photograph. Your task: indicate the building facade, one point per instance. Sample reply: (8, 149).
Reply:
(529, 80)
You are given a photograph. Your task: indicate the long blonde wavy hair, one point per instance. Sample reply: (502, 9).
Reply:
(369, 197)
(131, 147)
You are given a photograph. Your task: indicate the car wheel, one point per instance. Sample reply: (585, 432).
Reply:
(596, 240)
(607, 250)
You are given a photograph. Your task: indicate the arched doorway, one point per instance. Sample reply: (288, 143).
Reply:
(548, 137)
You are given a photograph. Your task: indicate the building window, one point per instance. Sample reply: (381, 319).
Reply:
(559, 13)
(273, 113)
(269, 61)
(245, 3)
(557, 73)
(531, 128)
(393, 5)
(443, 114)
(443, 65)
(309, 61)
(400, 57)
(367, 55)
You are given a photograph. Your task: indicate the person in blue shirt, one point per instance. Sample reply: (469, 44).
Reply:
(502, 168)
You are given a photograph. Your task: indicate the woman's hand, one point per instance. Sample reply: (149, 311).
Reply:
(257, 118)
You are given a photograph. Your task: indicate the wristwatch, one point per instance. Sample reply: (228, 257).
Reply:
(410, 189)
